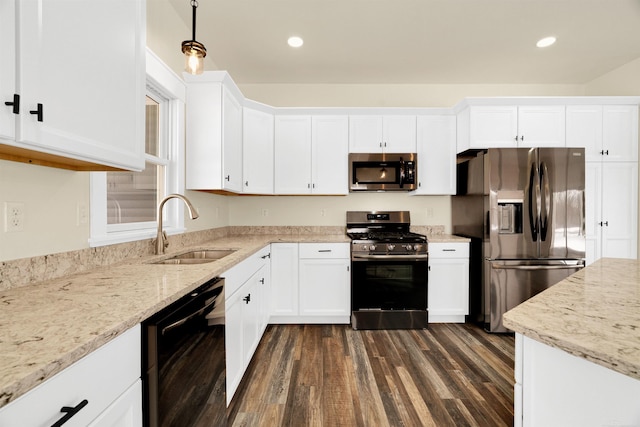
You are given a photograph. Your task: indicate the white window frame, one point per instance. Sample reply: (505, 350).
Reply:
(163, 81)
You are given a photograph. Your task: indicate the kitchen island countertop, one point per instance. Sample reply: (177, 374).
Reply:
(593, 314)
(46, 327)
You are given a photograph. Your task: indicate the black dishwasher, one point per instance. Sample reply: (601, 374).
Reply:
(183, 361)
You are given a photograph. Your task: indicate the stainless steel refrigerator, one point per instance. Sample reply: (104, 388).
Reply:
(524, 210)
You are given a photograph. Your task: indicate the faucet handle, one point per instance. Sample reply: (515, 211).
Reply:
(165, 240)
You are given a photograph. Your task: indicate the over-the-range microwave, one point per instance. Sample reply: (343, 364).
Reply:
(382, 172)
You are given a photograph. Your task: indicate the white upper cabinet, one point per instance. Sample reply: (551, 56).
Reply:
(330, 157)
(311, 154)
(388, 134)
(292, 155)
(620, 132)
(232, 141)
(214, 133)
(80, 77)
(436, 155)
(7, 70)
(541, 126)
(516, 126)
(493, 127)
(257, 147)
(607, 132)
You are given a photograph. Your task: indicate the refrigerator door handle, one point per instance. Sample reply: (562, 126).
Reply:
(534, 197)
(545, 210)
(538, 267)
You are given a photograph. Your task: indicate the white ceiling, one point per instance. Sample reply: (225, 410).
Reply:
(416, 41)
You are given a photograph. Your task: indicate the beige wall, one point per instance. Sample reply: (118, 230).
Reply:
(623, 81)
(51, 196)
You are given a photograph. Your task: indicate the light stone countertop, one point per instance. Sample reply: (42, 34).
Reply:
(593, 314)
(46, 327)
(446, 238)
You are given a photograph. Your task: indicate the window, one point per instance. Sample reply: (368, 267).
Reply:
(124, 204)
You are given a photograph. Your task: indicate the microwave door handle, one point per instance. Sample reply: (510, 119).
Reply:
(401, 173)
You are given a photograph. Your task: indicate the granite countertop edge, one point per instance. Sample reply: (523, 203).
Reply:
(593, 314)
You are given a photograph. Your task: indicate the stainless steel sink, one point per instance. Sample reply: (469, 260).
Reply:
(197, 257)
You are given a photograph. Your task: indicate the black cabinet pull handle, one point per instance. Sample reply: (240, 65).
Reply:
(15, 104)
(228, 177)
(262, 280)
(247, 298)
(69, 411)
(37, 112)
(266, 256)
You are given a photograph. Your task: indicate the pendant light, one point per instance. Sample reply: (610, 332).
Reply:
(194, 50)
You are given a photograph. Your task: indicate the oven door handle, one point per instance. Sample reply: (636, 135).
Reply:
(357, 257)
(185, 319)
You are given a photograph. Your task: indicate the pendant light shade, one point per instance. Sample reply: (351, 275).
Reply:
(193, 50)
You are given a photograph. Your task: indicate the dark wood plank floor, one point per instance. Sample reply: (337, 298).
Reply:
(330, 375)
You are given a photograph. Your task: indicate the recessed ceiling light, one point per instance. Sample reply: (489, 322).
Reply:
(295, 41)
(546, 42)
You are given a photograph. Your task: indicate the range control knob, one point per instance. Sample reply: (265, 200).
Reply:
(391, 247)
(372, 247)
(417, 247)
(365, 247)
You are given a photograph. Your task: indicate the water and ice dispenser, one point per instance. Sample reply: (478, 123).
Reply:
(510, 216)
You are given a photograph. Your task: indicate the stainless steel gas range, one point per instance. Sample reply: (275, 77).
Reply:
(389, 269)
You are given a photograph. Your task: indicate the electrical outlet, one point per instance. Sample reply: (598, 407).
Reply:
(82, 217)
(265, 212)
(323, 212)
(429, 212)
(13, 216)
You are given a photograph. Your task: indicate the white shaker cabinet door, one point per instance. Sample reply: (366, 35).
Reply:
(493, 127)
(325, 287)
(284, 281)
(436, 155)
(257, 148)
(620, 133)
(330, 145)
(365, 134)
(7, 69)
(292, 155)
(619, 209)
(231, 142)
(611, 210)
(126, 411)
(541, 126)
(82, 79)
(399, 134)
(584, 129)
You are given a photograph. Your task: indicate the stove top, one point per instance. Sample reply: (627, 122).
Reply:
(382, 232)
(387, 237)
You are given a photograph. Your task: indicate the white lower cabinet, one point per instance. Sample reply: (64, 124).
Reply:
(611, 210)
(124, 412)
(284, 281)
(247, 297)
(324, 279)
(311, 283)
(554, 388)
(448, 294)
(108, 380)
